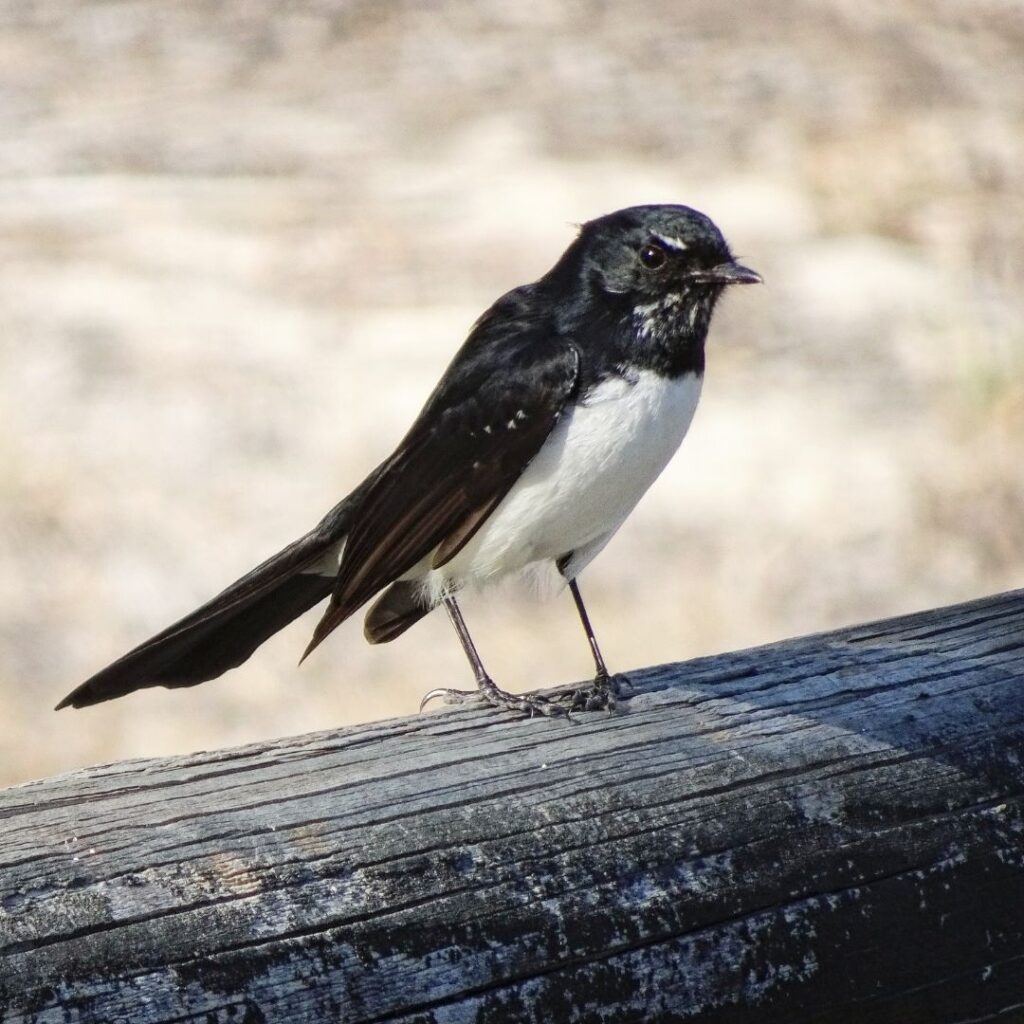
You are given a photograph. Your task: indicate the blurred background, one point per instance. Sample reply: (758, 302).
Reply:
(239, 241)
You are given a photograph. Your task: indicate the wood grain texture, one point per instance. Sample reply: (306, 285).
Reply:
(826, 829)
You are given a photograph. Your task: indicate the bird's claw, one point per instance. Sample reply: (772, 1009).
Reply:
(526, 704)
(601, 695)
(449, 696)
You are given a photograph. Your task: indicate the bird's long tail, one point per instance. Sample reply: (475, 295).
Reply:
(226, 630)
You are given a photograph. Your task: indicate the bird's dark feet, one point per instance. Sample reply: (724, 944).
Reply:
(528, 704)
(601, 695)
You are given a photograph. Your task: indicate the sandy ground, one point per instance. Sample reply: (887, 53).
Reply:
(238, 246)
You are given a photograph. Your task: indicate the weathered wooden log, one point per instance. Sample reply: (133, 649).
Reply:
(826, 829)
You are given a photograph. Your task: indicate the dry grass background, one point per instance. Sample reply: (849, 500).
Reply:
(240, 240)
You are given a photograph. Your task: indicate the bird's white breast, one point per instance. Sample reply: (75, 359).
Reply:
(591, 471)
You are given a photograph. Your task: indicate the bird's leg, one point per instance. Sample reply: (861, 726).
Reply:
(486, 688)
(602, 671)
(605, 691)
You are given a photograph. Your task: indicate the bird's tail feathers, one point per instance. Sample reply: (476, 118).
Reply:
(225, 631)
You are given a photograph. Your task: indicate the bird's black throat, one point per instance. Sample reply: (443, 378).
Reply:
(628, 332)
(669, 333)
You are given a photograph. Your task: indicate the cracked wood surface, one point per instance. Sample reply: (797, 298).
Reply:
(825, 829)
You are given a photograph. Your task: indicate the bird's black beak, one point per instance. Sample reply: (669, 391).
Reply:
(728, 273)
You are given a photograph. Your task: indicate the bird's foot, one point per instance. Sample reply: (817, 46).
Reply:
(528, 704)
(601, 695)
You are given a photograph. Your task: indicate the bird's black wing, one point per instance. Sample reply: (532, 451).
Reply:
(493, 409)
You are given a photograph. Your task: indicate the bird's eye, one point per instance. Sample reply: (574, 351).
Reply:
(653, 256)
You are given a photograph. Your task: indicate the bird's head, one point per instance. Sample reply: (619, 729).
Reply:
(653, 253)
(655, 273)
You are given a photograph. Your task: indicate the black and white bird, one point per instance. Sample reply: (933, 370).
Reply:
(566, 401)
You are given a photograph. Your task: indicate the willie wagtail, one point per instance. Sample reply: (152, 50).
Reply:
(564, 404)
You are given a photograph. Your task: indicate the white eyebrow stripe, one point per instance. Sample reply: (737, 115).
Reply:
(672, 242)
